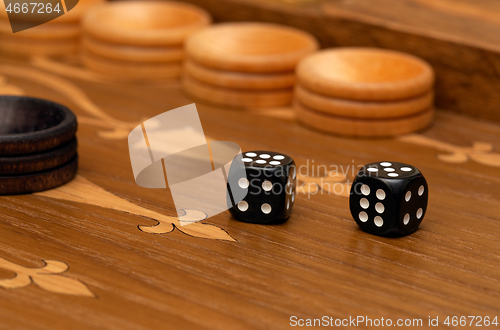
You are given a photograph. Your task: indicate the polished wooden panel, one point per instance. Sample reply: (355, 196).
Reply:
(240, 276)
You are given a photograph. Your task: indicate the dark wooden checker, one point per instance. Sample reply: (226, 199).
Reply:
(102, 253)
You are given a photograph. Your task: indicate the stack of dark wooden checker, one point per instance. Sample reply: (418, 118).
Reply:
(245, 64)
(139, 40)
(38, 147)
(364, 92)
(56, 37)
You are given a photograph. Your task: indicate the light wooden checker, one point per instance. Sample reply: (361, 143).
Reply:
(235, 97)
(148, 23)
(126, 69)
(15, 45)
(250, 47)
(369, 109)
(365, 74)
(154, 54)
(228, 79)
(363, 127)
(44, 31)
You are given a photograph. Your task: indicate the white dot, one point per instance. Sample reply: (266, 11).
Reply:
(293, 197)
(246, 160)
(379, 207)
(421, 190)
(243, 183)
(364, 203)
(274, 162)
(267, 185)
(405, 169)
(378, 221)
(389, 169)
(251, 154)
(365, 190)
(265, 156)
(393, 174)
(372, 169)
(266, 208)
(419, 213)
(386, 164)
(408, 196)
(279, 157)
(363, 217)
(260, 161)
(243, 206)
(380, 194)
(406, 219)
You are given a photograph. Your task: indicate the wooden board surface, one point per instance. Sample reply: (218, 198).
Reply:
(460, 38)
(92, 255)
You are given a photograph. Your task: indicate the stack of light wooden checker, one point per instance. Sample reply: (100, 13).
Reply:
(364, 92)
(139, 40)
(56, 37)
(245, 64)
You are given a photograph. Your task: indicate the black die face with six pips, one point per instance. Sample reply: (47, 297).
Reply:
(269, 182)
(388, 198)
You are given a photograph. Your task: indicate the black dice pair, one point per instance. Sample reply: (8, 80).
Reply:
(388, 198)
(263, 190)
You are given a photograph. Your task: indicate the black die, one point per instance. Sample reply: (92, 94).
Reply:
(388, 198)
(268, 186)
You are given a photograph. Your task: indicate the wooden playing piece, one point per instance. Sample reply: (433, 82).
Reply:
(366, 74)
(238, 79)
(367, 109)
(147, 23)
(38, 47)
(235, 97)
(29, 125)
(44, 31)
(40, 181)
(250, 47)
(115, 51)
(76, 13)
(37, 162)
(363, 127)
(126, 69)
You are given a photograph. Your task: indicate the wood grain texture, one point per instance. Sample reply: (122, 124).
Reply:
(357, 109)
(145, 23)
(133, 53)
(365, 74)
(460, 41)
(317, 263)
(38, 47)
(360, 127)
(26, 183)
(18, 164)
(239, 80)
(237, 97)
(250, 47)
(125, 69)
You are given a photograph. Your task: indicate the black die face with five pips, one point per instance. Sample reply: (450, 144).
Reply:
(388, 198)
(269, 180)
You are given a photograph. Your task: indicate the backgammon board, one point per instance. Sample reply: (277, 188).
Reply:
(103, 253)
